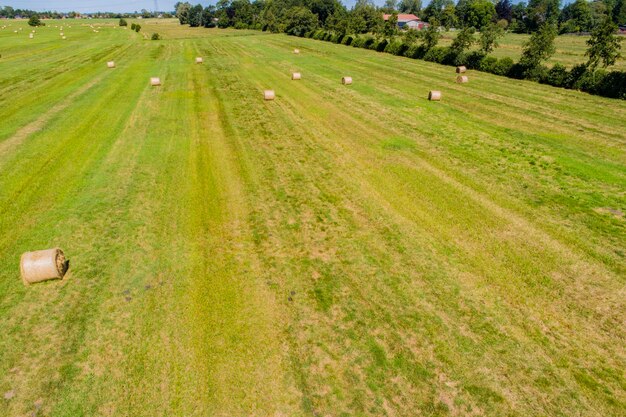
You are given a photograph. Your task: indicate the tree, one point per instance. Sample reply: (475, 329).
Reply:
(489, 36)
(208, 16)
(390, 6)
(542, 11)
(137, 28)
(324, 8)
(479, 13)
(300, 20)
(435, 9)
(390, 27)
(430, 36)
(576, 17)
(619, 12)
(123, 22)
(604, 46)
(463, 41)
(539, 48)
(34, 21)
(504, 10)
(182, 12)
(410, 6)
(448, 16)
(195, 16)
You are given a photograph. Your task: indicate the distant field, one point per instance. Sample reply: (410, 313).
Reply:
(340, 251)
(570, 49)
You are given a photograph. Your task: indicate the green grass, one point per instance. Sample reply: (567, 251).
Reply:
(343, 250)
(570, 49)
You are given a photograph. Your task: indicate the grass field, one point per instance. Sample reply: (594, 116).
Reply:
(340, 251)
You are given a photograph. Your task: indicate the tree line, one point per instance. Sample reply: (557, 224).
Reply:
(365, 17)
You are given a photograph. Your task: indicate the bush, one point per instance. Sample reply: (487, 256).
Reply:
(503, 66)
(34, 21)
(347, 40)
(133, 26)
(488, 64)
(436, 54)
(155, 37)
(397, 48)
(556, 76)
(368, 42)
(137, 28)
(473, 60)
(415, 51)
(380, 46)
(123, 22)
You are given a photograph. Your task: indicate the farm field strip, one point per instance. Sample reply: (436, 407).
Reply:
(338, 251)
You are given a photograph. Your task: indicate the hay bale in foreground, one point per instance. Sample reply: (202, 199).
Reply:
(43, 265)
(155, 81)
(199, 60)
(462, 79)
(296, 76)
(31, 36)
(111, 64)
(63, 38)
(346, 80)
(296, 51)
(434, 95)
(269, 95)
(461, 69)
(61, 34)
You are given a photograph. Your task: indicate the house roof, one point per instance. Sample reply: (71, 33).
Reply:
(402, 17)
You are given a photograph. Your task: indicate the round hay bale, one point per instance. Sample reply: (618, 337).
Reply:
(31, 36)
(61, 33)
(43, 265)
(296, 76)
(296, 51)
(269, 95)
(346, 80)
(434, 95)
(63, 38)
(462, 79)
(155, 81)
(111, 64)
(199, 60)
(461, 69)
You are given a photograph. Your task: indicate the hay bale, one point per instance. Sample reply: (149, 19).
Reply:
(111, 64)
(462, 79)
(61, 34)
(296, 51)
(346, 80)
(461, 69)
(269, 95)
(43, 265)
(31, 36)
(199, 60)
(155, 81)
(434, 95)
(63, 38)
(296, 76)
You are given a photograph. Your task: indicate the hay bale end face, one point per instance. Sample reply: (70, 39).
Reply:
(155, 81)
(462, 79)
(43, 265)
(434, 95)
(346, 80)
(111, 64)
(269, 95)
(199, 60)
(296, 51)
(461, 69)
(296, 76)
